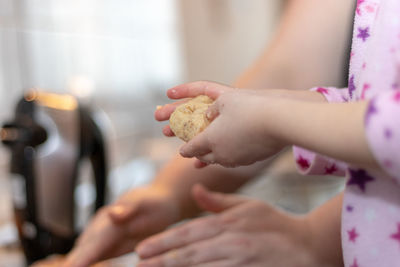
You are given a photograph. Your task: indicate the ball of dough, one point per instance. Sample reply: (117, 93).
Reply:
(189, 119)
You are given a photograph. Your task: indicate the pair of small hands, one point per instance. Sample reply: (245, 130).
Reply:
(236, 136)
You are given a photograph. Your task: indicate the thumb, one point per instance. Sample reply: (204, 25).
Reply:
(212, 111)
(120, 213)
(213, 201)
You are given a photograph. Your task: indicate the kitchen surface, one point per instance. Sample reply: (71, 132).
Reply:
(118, 58)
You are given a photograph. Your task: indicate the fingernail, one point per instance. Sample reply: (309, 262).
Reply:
(208, 114)
(159, 107)
(172, 92)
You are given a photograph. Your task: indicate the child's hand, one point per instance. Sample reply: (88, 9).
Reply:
(236, 135)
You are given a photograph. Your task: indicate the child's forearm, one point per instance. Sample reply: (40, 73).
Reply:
(305, 95)
(332, 129)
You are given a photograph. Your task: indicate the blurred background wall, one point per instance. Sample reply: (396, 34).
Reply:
(222, 37)
(122, 55)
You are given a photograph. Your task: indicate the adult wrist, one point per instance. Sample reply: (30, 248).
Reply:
(316, 231)
(178, 196)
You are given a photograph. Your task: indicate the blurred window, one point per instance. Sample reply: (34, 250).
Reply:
(114, 46)
(116, 51)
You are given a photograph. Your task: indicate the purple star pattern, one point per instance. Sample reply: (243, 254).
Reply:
(388, 133)
(352, 86)
(349, 208)
(303, 163)
(396, 236)
(359, 178)
(370, 111)
(355, 264)
(352, 235)
(363, 33)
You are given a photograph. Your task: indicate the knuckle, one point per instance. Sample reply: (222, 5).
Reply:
(211, 226)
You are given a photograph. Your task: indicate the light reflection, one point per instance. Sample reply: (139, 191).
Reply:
(57, 101)
(81, 86)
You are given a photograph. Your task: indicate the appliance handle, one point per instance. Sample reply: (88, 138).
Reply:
(93, 147)
(99, 163)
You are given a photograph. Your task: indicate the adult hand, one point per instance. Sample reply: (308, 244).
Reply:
(116, 229)
(237, 135)
(242, 233)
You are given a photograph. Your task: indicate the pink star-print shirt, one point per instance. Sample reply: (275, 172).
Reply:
(371, 207)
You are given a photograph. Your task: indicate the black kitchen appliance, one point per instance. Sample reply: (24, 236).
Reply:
(50, 138)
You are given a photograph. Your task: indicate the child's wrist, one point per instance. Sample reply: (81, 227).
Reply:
(272, 119)
(276, 107)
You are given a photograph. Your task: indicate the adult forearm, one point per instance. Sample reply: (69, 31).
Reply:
(325, 225)
(298, 40)
(180, 174)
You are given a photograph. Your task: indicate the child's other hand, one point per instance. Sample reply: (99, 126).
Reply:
(236, 135)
